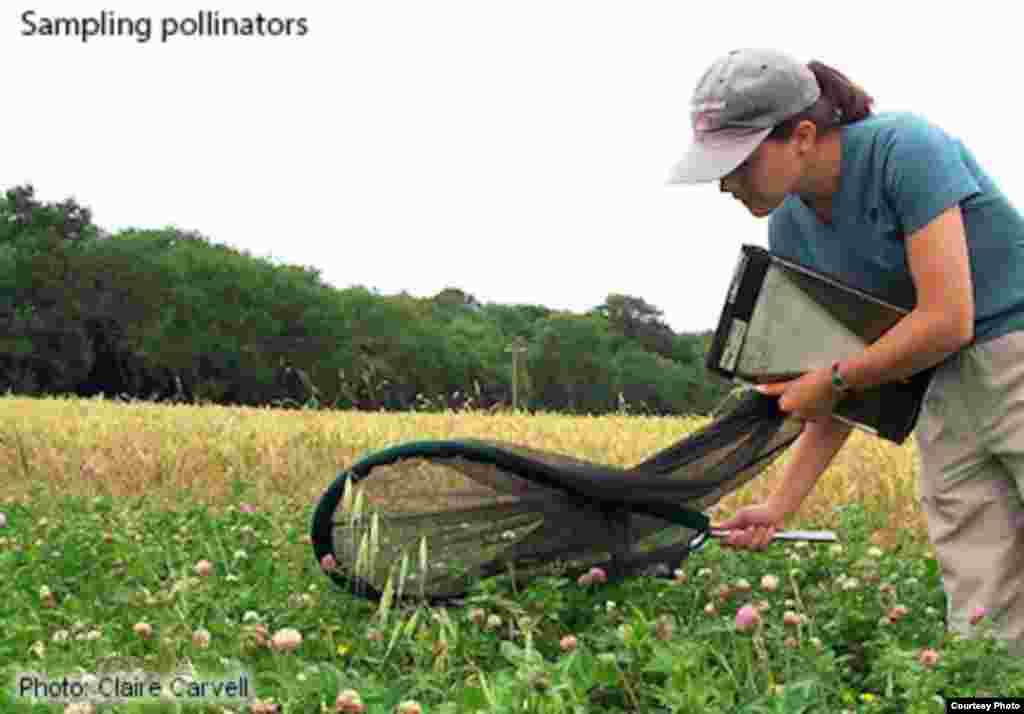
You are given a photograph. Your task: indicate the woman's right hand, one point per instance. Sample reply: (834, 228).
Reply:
(753, 527)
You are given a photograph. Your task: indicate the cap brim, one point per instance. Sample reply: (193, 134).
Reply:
(715, 154)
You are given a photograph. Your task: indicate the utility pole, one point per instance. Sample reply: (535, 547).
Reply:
(516, 349)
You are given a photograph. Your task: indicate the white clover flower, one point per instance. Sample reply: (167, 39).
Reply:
(349, 702)
(928, 657)
(409, 707)
(262, 706)
(201, 639)
(665, 628)
(286, 640)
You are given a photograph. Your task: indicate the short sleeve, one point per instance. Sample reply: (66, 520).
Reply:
(925, 174)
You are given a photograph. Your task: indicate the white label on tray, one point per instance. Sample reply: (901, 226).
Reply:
(737, 278)
(733, 344)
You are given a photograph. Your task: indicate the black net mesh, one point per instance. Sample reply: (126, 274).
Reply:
(433, 517)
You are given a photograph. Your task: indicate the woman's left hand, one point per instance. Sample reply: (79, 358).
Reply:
(810, 397)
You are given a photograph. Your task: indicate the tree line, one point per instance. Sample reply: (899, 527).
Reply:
(167, 314)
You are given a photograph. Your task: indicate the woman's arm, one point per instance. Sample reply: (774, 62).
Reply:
(813, 451)
(754, 526)
(940, 324)
(942, 321)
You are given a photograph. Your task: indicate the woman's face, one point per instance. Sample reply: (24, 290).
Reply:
(762, 182)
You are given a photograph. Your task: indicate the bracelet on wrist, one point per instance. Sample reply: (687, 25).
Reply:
(839, 385)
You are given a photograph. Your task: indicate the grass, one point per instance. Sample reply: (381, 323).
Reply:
(156, 541)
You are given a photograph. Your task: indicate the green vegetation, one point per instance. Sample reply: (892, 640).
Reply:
(99, 586)
(165, 313)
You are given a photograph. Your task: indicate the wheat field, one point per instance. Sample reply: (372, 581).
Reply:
(92, 447)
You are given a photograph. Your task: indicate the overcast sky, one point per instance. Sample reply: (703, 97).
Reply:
(516, 149)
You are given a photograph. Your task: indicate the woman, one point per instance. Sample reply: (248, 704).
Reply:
(893, 205)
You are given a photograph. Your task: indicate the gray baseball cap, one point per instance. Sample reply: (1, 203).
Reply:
(737, 103)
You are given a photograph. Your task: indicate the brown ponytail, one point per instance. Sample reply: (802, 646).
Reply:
(841, 102)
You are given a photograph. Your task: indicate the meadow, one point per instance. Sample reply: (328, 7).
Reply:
(161, 553)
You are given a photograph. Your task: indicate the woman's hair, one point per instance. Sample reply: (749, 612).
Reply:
(841, 102)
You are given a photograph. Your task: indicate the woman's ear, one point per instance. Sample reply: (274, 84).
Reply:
(806, 134)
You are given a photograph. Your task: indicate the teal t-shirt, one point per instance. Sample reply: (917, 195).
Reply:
(899, 172)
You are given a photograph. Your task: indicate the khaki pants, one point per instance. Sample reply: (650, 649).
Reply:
(971, 439)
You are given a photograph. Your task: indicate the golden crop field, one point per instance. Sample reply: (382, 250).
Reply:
(90, 447)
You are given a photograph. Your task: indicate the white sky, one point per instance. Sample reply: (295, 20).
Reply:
(517, 149)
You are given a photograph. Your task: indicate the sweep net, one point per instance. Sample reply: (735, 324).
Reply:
(433, 517)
